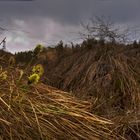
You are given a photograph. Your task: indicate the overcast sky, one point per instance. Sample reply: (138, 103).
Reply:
(48, 21)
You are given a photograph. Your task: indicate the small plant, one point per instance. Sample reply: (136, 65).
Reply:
(33, 79)
(37, 72)
(38, 69)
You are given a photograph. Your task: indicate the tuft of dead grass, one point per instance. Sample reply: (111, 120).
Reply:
(43, 112)
(108, 77)
(103, 74)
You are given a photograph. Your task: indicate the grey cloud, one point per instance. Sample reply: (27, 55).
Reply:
(71, 11)
(55, 19)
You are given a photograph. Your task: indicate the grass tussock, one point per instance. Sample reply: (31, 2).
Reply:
(103, 74)
(108, 77)
(41, 112)
(106, 74)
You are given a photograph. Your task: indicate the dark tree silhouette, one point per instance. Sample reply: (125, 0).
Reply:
(104, 29)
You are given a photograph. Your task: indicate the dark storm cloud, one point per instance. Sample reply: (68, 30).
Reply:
(71, 11)
(17, 0)
(55, 19)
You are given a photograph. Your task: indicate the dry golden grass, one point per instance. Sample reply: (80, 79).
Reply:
(103, 74)
(107, 76)
(42, 112)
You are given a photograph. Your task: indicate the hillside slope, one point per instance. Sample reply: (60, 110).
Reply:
(105, 75)
(42, 112)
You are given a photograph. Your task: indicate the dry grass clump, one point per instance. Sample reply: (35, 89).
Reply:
(128, 126)
(103, 74)
(107, 76)
(113, 84)
(42, 112)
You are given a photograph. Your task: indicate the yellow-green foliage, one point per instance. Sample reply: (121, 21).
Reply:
(33, 79)
(38, 69)
(37, 72)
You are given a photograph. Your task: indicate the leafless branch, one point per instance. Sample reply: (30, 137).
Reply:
(103, 29)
